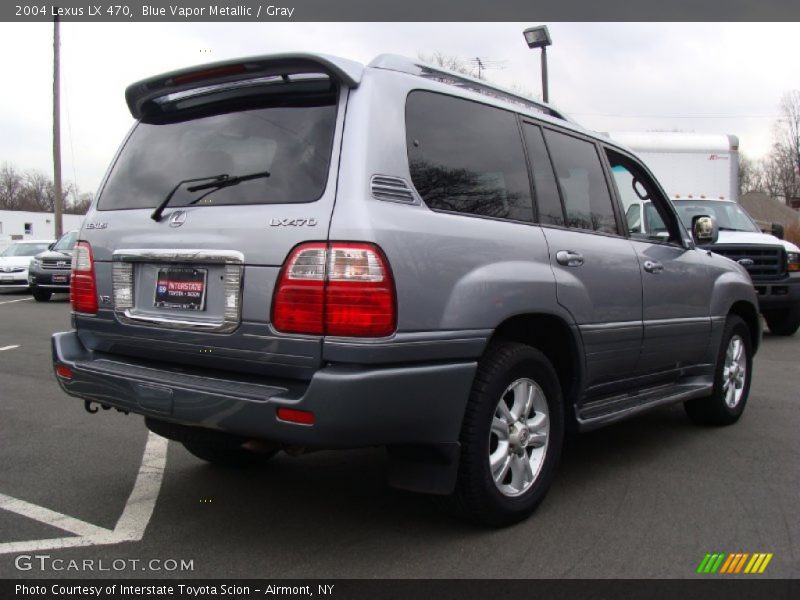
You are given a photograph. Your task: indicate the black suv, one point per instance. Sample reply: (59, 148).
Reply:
(50, 271)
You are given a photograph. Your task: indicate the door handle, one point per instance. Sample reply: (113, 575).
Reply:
(653, 266)
(569, 258)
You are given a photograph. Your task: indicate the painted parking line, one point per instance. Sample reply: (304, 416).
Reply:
(129, 528)
(20, 300)
(9, 347)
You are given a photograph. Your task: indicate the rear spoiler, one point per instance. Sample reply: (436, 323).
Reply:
(140, 95)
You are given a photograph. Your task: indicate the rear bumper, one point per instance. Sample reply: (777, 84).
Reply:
(354, 406)
(778, 294)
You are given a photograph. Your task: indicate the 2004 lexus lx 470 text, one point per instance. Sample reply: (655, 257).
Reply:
(301, 252)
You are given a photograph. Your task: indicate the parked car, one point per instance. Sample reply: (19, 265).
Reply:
(14, 262)
(49, 271)
(300, 252)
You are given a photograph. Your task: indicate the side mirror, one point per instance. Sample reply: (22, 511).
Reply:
(777, 230)
(704, 230)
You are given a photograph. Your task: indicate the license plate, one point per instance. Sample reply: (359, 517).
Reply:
(59, 279)
(181, 287)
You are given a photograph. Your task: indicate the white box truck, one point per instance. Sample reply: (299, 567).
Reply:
(699, 174)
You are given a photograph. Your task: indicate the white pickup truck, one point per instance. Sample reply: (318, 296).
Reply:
(699, 173)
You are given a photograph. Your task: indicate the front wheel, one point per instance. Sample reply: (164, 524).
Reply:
(41, 295)
(511, 437)
(732, 379)
(784, 321)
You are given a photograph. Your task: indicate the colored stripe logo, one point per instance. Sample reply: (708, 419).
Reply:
(734, 563)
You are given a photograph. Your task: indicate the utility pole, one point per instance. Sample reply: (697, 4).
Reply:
(58, 201)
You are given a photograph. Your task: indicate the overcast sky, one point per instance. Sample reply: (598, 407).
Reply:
(711, 78)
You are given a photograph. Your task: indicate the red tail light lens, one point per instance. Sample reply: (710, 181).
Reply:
(341, 288)
(83, 283)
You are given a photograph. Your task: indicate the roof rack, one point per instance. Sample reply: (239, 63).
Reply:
(421, 69)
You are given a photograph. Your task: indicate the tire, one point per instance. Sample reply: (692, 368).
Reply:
(41, 295)
(734, 368)
(524, 451)
(784, 321)
(226, 454)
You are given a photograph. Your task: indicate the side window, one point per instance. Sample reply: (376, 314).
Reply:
(467, 157)
(28, 228)
(633, 216)
(548, 202)
(583, 185)
(639, 195)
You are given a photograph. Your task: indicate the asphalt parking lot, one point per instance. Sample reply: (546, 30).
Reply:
(643, 499)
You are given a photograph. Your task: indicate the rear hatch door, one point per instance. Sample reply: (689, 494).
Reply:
(248, 166)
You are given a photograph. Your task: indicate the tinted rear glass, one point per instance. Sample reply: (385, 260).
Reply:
(467, 157)
(292, 142)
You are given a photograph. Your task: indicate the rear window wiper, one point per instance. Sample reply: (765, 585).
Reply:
(223, 182)
(156, 216)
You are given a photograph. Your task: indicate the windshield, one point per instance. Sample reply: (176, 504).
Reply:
(67, 242)
(292, 142)
(729, 215)
(24, 249)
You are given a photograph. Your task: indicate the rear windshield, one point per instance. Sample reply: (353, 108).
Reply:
(292, 142)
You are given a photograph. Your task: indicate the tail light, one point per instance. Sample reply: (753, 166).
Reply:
(340, 288)
(82, 282)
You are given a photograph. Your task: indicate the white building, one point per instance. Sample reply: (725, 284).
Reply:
(23, 225)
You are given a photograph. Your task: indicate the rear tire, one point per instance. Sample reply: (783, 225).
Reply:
(784, 321)
(734, 369)
(41, 295)
(511, 437)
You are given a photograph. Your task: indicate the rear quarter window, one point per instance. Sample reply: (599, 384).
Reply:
(467, 157)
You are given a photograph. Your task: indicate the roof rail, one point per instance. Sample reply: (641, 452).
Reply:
(393, 62)
(141, 95)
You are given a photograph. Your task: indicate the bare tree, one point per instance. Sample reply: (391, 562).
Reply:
(750, 175)
(780, 170)
(11, 186)
(448, 61)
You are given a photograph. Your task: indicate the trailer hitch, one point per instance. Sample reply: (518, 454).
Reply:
(87, 404)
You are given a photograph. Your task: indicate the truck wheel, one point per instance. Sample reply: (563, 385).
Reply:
(511, 436)
(226, 454)
(784, 321)
(731, 381)
(41, 295)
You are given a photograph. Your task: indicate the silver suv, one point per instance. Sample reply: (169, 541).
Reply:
(298, 252)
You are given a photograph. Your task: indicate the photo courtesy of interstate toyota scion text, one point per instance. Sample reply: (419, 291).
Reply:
(298, 252)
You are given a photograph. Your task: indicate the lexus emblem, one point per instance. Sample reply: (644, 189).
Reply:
(746, 262)
(177, 218)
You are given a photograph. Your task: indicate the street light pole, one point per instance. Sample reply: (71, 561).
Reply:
(58, 199)
(545, 94)
(539, 37)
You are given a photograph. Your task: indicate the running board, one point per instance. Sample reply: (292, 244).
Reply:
(616, 408)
